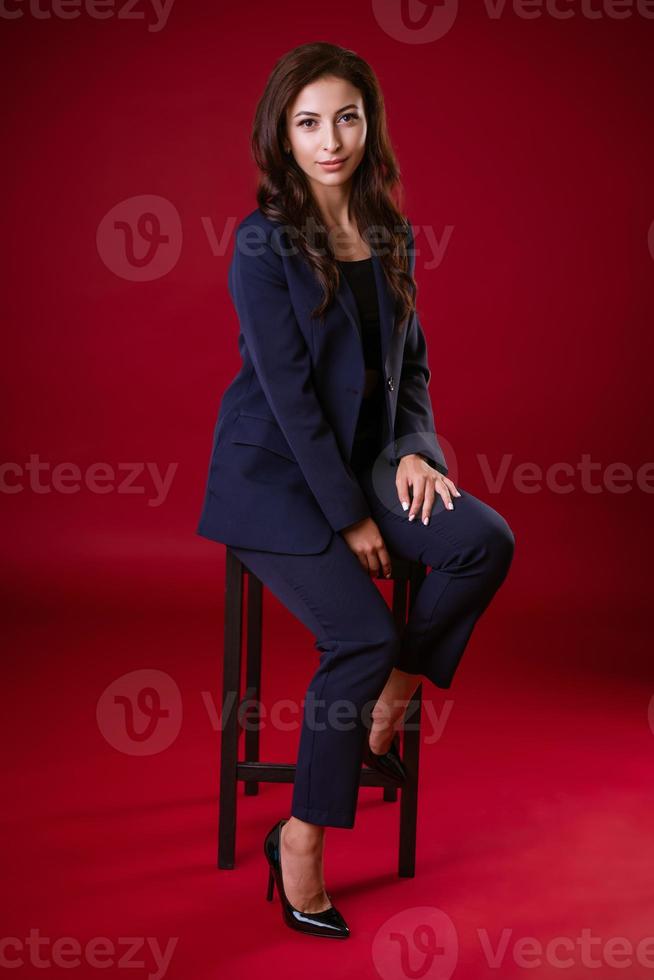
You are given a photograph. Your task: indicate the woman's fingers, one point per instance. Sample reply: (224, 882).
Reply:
(444, 491)
(385, 561)
(450, 486)
(424, 495)
(376, 559)
(402, 487)
(365, 540)
(379, 558)
(418, 494)
(430, 497)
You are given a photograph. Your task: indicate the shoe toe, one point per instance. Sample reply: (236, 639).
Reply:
(329, 922)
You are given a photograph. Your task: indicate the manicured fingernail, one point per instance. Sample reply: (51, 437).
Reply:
(457, 493)
(425, 520)
(411, 516)
(450, 506)
(405, 506)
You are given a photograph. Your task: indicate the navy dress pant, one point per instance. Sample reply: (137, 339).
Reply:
(468, 552)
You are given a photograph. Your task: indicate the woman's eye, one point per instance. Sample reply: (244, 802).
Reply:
(346, 116)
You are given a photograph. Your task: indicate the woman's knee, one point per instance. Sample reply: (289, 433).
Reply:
(372, 638)
(380, 641)
(499, 542)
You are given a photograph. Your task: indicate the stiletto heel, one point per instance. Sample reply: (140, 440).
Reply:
(328, 923)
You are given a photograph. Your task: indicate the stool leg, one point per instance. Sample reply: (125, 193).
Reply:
(411, 758)
(253, 674)
(231, 695)
(399, 615)
(409, 801)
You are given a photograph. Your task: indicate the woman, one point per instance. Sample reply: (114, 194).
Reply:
(325, 455)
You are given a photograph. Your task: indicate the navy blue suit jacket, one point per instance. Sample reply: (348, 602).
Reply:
(279, 473)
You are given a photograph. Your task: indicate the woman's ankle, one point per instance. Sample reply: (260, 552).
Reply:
(386, 715)
(303, 835)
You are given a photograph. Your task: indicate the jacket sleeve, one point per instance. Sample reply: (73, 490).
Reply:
(281, 359)
(415, 430)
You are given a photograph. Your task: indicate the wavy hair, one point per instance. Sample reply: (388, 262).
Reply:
(284, 192)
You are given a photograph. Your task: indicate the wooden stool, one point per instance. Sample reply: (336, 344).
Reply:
(406, 576)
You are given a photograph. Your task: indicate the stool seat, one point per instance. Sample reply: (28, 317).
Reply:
(407, 576)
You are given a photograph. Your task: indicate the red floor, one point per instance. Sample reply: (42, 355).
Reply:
(535, 825)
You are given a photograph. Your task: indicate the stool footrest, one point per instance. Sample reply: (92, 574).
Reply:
(282, 772)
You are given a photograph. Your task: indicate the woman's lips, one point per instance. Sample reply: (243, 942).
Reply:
(332, 166)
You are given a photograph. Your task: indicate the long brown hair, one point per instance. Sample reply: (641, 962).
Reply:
(284, 193)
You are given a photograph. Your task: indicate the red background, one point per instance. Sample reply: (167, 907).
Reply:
(531, 140)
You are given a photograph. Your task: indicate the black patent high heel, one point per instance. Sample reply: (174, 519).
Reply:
(328, 923)
(388, 763)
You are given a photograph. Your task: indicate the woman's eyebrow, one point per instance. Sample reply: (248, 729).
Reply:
(305, 112)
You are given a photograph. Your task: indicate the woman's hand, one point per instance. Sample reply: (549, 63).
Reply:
(365, 540)
(415, 472)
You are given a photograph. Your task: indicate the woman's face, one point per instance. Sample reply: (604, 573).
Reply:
(327, 122)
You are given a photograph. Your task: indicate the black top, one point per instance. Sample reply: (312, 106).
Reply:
(360, 275)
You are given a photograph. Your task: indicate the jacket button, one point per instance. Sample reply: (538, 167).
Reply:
(390, 383)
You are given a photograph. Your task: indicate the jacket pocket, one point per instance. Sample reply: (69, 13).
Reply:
(255, 430)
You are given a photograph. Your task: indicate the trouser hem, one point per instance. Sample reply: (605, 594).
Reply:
(326, 818)
(412, 662)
